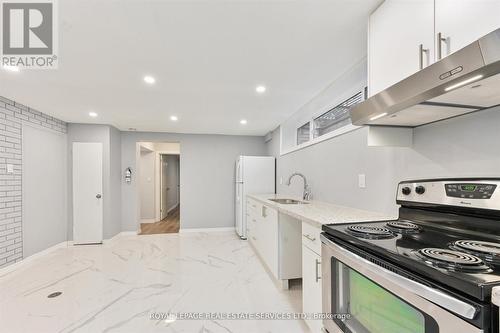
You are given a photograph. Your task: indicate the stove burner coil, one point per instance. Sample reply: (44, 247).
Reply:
(368, 231)
(478, 246)
(453, 260)
(403, 227)
(450, 256)
(488, 251)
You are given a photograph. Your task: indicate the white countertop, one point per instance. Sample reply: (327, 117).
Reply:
(318, 212)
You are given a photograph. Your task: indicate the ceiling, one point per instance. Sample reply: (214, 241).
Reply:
(207, 57)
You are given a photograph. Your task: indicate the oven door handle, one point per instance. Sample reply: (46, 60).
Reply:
(433, 295)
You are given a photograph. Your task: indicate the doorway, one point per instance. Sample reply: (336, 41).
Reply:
(159, 182)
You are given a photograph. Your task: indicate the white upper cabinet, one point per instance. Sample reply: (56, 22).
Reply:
(403, 35)
(460, 22)
(396, 31)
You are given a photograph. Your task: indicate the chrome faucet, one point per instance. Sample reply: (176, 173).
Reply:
(307, 195)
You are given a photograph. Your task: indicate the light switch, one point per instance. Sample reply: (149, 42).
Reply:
(10, 168)
(362, 181)
(281, 180)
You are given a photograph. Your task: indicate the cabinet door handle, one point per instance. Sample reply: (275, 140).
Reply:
(318, 263)
(440, 40)
(421, 52)
(312, 239)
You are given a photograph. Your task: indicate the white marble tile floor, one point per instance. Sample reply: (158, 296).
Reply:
(116, 287)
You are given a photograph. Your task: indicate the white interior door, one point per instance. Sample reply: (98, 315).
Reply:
(87, 193)
(164, 187)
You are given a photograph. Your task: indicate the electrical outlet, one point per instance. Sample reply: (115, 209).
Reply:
(362, 181)
(10, 168)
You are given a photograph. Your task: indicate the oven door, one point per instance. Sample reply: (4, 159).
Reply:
(360, 296)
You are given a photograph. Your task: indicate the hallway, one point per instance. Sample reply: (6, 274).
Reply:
(168, 225)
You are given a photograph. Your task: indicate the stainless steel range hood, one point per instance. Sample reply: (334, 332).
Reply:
(465, 81)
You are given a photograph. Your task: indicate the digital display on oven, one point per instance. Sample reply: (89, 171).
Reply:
(468, 188)
(470, 191)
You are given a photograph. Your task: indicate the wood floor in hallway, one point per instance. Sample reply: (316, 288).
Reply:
(168, 225)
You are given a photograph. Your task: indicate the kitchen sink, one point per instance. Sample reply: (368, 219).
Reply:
(289, 201)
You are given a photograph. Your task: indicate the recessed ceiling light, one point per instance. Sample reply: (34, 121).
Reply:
(149, 79)
(260, 89)
(243, 121)
(92, 114)
(174, 118)
(11, 68)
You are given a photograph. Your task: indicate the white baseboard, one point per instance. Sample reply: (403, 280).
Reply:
(33, 257)
(187, 230)
(148, 220)
(19, 264)
(118, 235)
(172, 208)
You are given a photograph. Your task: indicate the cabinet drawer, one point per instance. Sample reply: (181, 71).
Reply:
(251, 224)
(310, 237)
(267, 213)
(252, 206)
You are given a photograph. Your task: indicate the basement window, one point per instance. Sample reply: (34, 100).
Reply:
(337, 117)
(304, 133)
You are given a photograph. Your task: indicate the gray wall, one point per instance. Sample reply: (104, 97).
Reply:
(461, 147)
(13, 116)
(114, 225)
(147, 164)
(206, 176)
(45, 167)
(109, 137)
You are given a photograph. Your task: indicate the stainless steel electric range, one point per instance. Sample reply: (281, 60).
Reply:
(430, 271)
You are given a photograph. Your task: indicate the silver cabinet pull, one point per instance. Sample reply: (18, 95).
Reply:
(264, 211)
(318, 263)
(312, 239)
(440, 41)
(421, 52)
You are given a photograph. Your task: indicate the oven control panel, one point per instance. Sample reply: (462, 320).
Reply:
(470, 191)
(461, 192)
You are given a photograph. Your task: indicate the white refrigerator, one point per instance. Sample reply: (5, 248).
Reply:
(254, 175)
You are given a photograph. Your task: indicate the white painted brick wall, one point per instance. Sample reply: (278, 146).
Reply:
(12, 117)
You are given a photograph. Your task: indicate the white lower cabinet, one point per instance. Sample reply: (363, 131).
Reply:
(268, 238)
(311, 285)
(262, 228)
(276, 238)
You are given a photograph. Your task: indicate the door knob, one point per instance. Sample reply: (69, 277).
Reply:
(98, 196)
